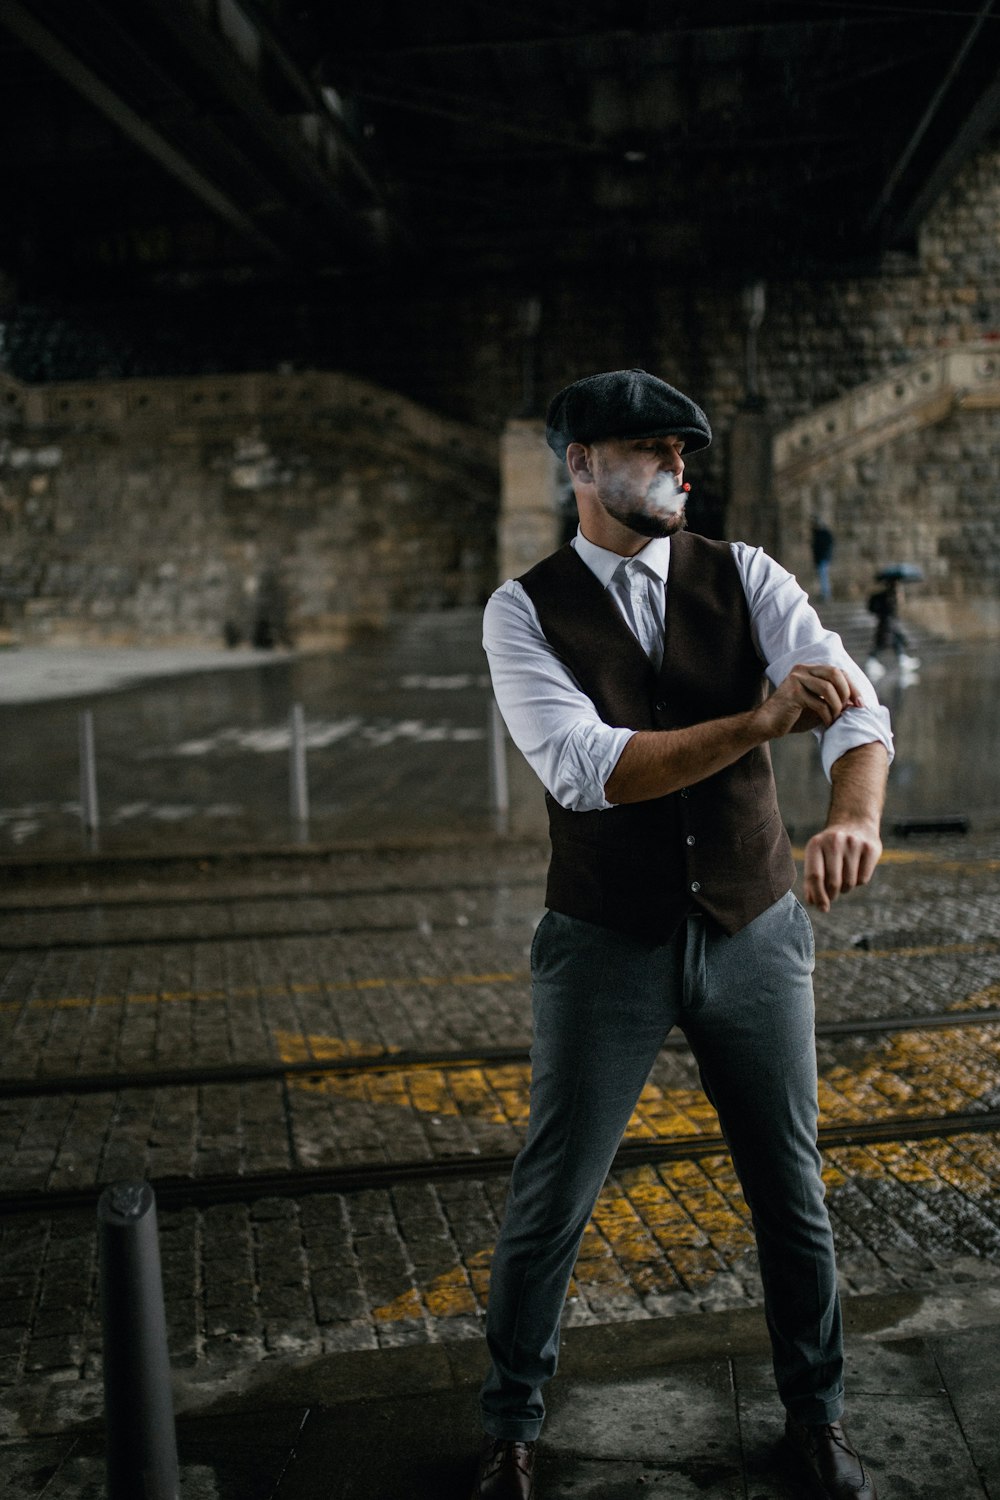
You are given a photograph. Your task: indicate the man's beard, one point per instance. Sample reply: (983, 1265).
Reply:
(644, 522)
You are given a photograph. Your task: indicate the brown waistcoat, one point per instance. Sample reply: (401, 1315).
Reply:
(719, 844)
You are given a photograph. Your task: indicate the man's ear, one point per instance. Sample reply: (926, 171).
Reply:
(578, 463)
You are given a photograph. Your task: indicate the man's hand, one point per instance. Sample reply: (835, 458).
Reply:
(845, 854)
(838, 859)
(811, 697)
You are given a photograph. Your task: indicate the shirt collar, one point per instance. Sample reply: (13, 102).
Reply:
(655, 557)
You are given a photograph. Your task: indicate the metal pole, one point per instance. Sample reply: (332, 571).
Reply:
(139, 1414)
(89, 814)
(299, 775)
(499, 785)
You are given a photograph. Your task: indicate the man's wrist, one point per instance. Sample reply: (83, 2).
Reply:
(864, 827)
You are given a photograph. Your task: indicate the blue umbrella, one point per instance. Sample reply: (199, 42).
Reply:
(903, 572)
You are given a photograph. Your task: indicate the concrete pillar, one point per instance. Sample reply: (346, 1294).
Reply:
(752, 512)
(528, 528)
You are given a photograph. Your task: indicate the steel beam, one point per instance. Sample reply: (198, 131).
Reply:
(196, 40)
(881, 213)
(978, 124)
(40, 40)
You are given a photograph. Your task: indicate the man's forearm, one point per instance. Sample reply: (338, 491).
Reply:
(858, 781)
(843, 855)
(659, 761)
(656, 762)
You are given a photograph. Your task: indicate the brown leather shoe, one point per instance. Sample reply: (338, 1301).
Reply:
(831, 1458)
(505, 1470)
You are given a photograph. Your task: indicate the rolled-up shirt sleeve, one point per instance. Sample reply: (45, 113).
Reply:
(551, 720)
(787, 631)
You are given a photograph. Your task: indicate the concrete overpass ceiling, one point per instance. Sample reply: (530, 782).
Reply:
(272, 140)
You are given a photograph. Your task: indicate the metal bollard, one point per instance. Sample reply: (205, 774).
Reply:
(141, 1441)
(299, 777)
(499, 785)
(88, 774)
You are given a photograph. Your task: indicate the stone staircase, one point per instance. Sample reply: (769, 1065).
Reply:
(917, 395)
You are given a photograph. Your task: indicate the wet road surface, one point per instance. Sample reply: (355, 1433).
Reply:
(397, 746)
(319, 1059)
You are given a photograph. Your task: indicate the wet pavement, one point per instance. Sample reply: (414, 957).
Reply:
(397, 746)
(377, 986)
(318, 1055)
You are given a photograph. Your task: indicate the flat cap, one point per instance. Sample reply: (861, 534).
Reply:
(623, 404)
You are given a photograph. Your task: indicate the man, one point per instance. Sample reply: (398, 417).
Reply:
(822, 550)
(631, 667)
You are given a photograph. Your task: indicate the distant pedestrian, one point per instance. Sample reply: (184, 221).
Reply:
(822, 545)
(884, 605)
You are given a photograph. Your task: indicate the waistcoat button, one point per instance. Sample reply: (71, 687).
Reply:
(659, 705)
(689, 839)
(695, 885)
(683, 792)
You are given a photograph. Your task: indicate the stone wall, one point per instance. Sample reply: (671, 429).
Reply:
(278, 509)
(905, 469)
(930, 497)
(460, 347)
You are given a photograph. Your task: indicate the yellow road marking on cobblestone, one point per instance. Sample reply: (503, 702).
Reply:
(929, 950)
(422, 981)
(913, 1072)
(660, 1229)
(892, 856)
(984, 999)
(679, 1224)
(246, 992)
(294, 1047)
(447, 1296)
(497, 1093)
(974, 866)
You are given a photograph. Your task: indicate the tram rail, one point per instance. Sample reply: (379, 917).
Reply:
(409, 1060)
(293, 1180)
(385, 929)
(115, 901)
(298, 1182)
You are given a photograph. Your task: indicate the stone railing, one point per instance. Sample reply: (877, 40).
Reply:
(914, 396)
(255, 397)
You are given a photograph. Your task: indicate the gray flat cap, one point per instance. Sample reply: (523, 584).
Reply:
(623, 404)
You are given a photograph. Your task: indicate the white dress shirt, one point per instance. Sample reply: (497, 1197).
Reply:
(557, 727)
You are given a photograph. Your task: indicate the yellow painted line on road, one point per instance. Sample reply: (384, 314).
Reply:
(423, 981)
(681, 1223)
(929, 950)
(983, 866)
(677, 1226)
(888, 856)
(318, 987)
(947, 1070)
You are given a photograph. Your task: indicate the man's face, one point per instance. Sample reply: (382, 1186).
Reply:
(637, 481)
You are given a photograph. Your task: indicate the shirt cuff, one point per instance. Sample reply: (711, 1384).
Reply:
(856, 726)
(588, 758)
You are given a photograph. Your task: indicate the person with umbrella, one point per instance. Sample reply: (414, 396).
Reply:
(884, 605)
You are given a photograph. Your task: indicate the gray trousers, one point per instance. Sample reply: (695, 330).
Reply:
(603, 1005)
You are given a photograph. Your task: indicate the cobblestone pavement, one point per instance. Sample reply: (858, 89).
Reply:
(115, 970)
